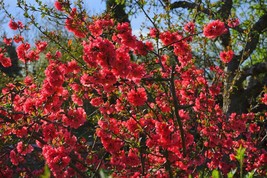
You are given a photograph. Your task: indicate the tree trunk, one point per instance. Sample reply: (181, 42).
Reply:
(117, 11)
(234, 99)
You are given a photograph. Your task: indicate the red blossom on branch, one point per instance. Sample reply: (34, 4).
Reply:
(190, 27)
(232, 23)
(226, 56)
(214, 29)
(58, 5)
(5, 61)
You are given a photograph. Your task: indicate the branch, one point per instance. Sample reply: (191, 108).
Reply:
(180, 40)
(167, 163)
(253, 70)
(251, 45)
(117, 10)
(176, 108)
(225, 12)
(183, 4)
(156, 79)
(7, 119)
(253, 37)
(190, 5)
(78, 170)
(256, 69)
(225, 9)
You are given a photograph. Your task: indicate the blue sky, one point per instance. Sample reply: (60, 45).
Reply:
(93, 7)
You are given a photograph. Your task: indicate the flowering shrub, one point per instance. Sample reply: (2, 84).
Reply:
(105, 109)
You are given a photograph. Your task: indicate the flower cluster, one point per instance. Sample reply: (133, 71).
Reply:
(137, 97)
(15, 25)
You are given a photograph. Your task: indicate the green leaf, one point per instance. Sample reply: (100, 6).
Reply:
(250, 174)
(231, 174)
(104, 174)
(46, 173)
(26, 14)
(240, 154)
(215, 174)
(120, 2)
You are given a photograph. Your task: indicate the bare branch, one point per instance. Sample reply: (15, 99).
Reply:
(7, 119)
(190, 5)
(253, 70)
(176, 108)
(251, 45)
(225, 12)
(253, 37)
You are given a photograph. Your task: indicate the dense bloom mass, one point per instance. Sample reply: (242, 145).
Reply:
(214, 29)
(137, 97)
(102, 98)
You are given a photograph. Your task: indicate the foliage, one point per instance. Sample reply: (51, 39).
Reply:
(102, 102)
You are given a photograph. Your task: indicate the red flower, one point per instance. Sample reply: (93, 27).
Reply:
(22, 51)
(226, 56)
(96, 102)
(7, 41)
(18, 38)
(99, 25)
(137, 97)
(73, 67)
(75, 25)
(214, 29)
(131, 125)
(58, 6)
(264, 99)
(24, 149)
(14, 158)
(233, 22)
(153, 32)
(28, 80)
(86, 80)
(20, 25)
(189, 27)
(13, 25)
(5, 61)
(41, 45)
(75, 118)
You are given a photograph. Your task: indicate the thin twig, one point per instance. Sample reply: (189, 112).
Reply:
(176, 107)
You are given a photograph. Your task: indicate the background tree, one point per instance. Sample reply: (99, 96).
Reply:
(8, 47)
(117, 10)
(237, 96)
(13, 70)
